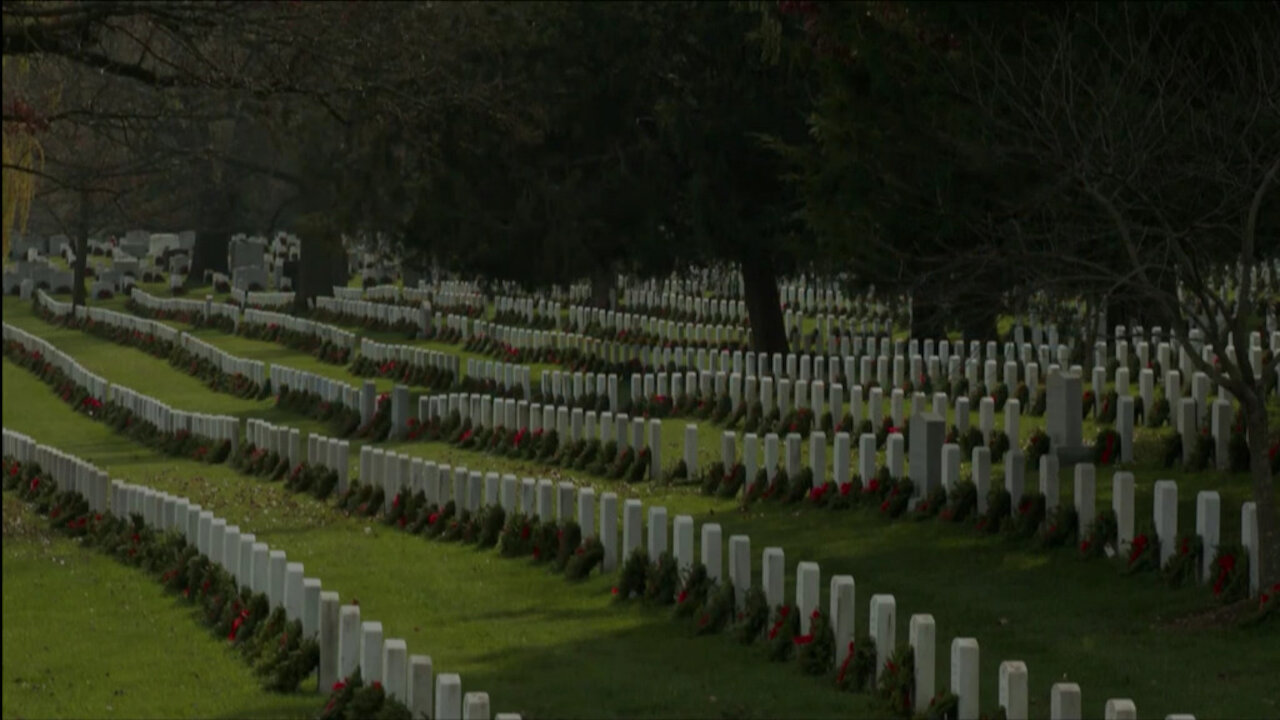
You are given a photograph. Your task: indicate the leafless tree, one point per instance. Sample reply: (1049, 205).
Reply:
(1157, 130)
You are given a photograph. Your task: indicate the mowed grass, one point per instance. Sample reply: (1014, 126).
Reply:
(85, 636)
(261, 350)
(1060, 615)
(538, 644)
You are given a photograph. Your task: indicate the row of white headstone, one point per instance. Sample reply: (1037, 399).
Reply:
(207, 307)
(646, 302)
(1165, 507)
(284, 441)
(96, 385)
(252, 299)
(381, 352)
(361, 310)
(570, 424)
(448, 295)
(327, 389)
(580, 317)
(345, 642)
(989, 377)
(472, 490)
(71, 472)
(331, 453)
(254, 370)
(217, 428)
(529, 307)
(383, 293)
(292, 323)
(573, 386)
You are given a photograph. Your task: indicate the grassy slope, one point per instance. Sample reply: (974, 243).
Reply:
(971, 585)
(85, 636)
(529, 639)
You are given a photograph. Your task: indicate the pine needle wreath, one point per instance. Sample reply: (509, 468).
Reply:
(569, 540)
(638, 471)
(662, 580)
(971, 438)
(546, 541)
(815, 650)
(1023, 395)
(999, 503)
(1230, 572)
(931, 505)
(1037, 446)
(780, 488)
(585, 559)
(1103, 532)
(1000, 395)
(1060, 527)
(340, 696)
(845, 496)
(492, 522)
(962, 501)
(454, 527)
(635, 572)
(1144, 554)
(781, 634)
(693, 591)
(857, 670)
(622, 463)
(1107, 411)
(896, 685)
(750, 622)
(899, 497)
(679, 471)
(943, 706)
(399, 503)
(712, 475)
(1183, 566)
(717, 613)
(1028, 516)
(1159, 415)
(516, 539)
(757, 488)
(998, 446)
(444, 518)
(417, 524)
(800, 486)
(1268, 601)
(732, 482)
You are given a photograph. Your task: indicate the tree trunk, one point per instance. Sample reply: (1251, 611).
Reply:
(760, 285)
(80, 244)
(977, 312)
(210, 253)
(928, 321)
(322, 265)
(1263, 491)
(1118, 310)
(603, 292)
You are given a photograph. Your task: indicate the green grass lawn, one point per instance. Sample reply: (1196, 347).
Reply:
(85, 636)
(532, 640)
(1060, 615)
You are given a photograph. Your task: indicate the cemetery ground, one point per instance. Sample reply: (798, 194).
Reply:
(85, 636)
(536, 641)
